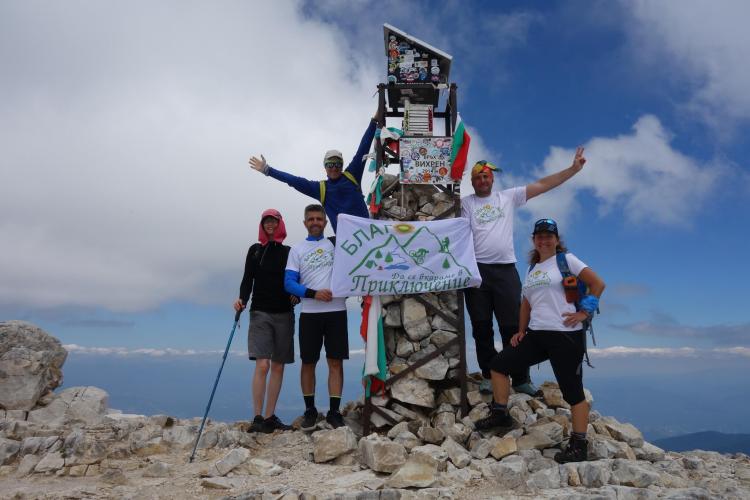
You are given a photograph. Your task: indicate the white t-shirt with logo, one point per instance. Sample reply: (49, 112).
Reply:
(492, 223)
(313, 260)
(544, 291)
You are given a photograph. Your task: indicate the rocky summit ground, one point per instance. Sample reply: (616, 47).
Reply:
(71, 445)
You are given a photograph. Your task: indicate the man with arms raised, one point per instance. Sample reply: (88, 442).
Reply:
(491, 216)
(340, 193)
(323, 317)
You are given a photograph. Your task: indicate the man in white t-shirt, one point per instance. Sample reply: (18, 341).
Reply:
(491, 216)
(323, 317)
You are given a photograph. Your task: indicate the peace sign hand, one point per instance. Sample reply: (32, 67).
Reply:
(578, 159)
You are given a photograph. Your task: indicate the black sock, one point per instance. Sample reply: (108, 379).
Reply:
(335, 402)
(309, 401)
(498, 407)
(581, 436)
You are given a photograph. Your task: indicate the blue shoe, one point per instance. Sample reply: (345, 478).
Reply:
(528, 388)
(485, 386)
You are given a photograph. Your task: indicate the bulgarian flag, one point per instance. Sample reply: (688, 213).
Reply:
(375, 370)
(460, 151)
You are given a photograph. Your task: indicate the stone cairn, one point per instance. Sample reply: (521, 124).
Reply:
(417, 326)
(69, 444)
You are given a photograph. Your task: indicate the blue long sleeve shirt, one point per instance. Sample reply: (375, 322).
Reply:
(342, 195)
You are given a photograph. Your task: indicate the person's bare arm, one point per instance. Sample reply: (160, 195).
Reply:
(552, 181)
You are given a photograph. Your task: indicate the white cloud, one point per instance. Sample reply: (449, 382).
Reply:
(639, 173)
(162, 353)
(704, 44)
(622, 351)
(607, 352)
(125, 133)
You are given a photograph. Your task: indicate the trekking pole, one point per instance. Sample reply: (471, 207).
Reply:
(210, 400)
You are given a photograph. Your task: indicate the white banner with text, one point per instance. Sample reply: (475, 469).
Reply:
(382, 257)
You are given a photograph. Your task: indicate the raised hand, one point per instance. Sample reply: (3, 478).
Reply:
(258, 164)
(578, 159)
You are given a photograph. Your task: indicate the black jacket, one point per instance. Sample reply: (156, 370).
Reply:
(264, 278)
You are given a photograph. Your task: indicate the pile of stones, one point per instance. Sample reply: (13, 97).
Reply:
(70, 444)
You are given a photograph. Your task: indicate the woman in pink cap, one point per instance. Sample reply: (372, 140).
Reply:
(270, 337)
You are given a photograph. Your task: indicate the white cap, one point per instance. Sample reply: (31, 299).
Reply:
(333, 153)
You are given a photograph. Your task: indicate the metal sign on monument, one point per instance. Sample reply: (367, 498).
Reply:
(416, 70)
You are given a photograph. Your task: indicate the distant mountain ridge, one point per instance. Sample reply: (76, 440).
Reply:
(708, 441)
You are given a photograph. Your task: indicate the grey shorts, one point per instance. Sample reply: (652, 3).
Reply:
(271, 336)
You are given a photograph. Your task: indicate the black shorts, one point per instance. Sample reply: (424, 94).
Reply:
(330, 328)
(564, 351)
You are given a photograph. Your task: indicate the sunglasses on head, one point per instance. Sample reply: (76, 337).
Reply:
(545, 224)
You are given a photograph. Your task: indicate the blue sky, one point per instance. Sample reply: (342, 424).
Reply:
(127, 204)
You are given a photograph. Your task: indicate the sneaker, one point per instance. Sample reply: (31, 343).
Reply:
(257, 424)
(528, 388)
(485, 386)
(498, 419)
(335, 419)
(273, 423)
(310, 420)
(576, 451)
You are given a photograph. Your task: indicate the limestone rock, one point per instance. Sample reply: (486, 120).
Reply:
(157, 469)
(481, 448)
(381, 454)
(434, 369)
(379, 421)
(414, 319)
(456, 453)
(601, 447)
(451, 396)
(628, 473)
(440, 323)
(407, 440)
(594, 474)
(397, 429)
(553, 396)
(535, 440)
(510, 473)
(392, 316)
(260, 467)
(552, 430)
(30, 363)
(230, 461)
(87, 405)
(50, 462)
(27, 465)
(625, 432)
(219, 483)
(545, 478)
(404, 347)
(503, 446)
(649, 452)
(421, 470)
(330, 444)
(414, 391)
(430, 434)
(8, 450)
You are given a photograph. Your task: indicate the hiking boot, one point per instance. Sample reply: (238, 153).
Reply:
(485, 386)
(576, 451)
(310, 419)
(528, 388)
(273, 423)
(498, 419)
(335, 419)
(257, 424)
